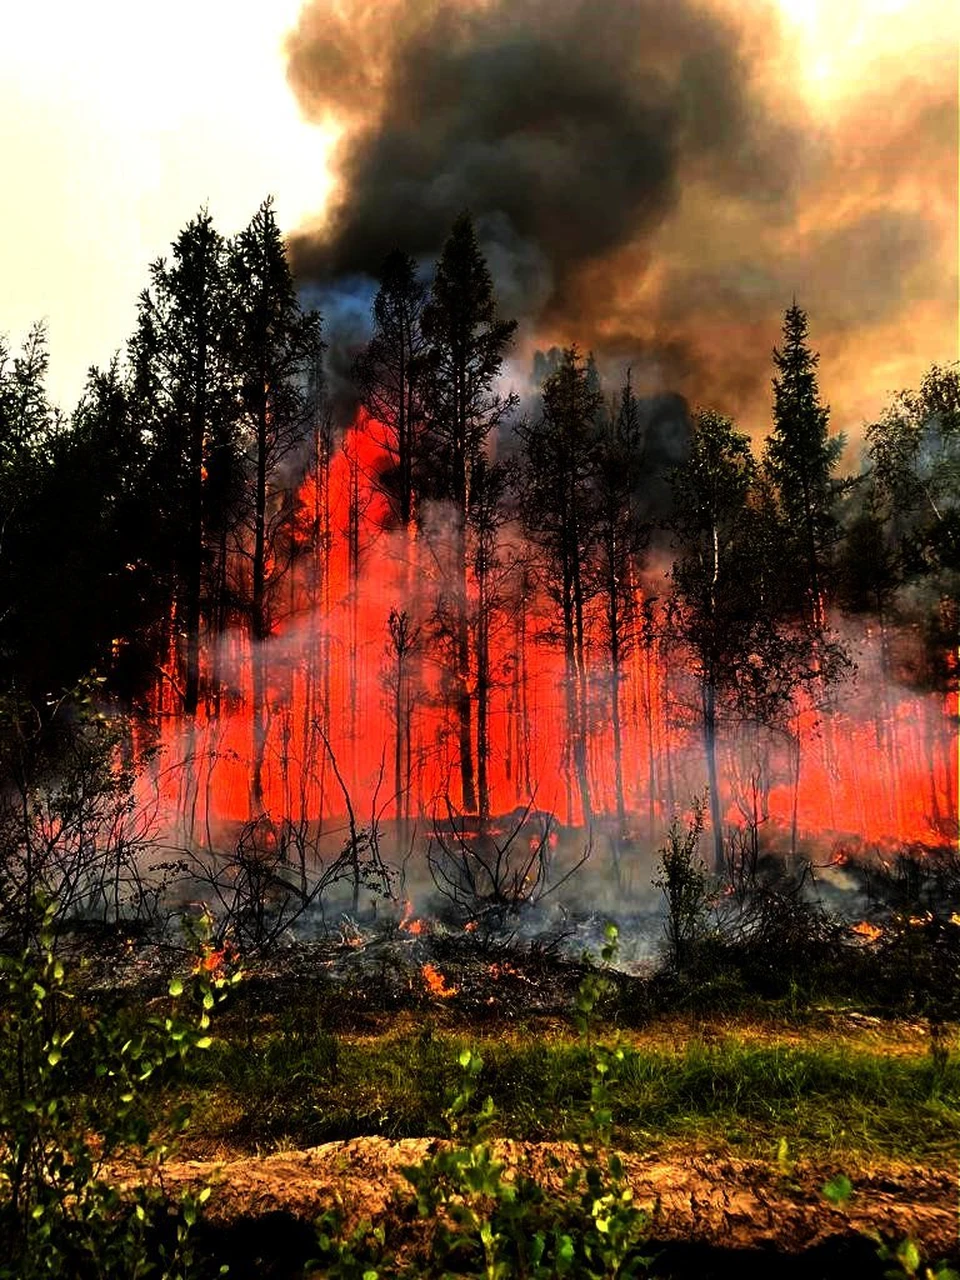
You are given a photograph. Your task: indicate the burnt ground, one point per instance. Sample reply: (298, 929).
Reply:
(708, 1214)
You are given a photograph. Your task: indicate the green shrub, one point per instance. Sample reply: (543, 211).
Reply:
(73, 1112)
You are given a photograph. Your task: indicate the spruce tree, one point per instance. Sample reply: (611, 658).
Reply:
(801, 458)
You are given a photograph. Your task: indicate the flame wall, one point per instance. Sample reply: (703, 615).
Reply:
(880, 766)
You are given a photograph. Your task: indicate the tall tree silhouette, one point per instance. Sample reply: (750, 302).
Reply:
(801, 458)
(387, 377)
(557, 472)
(185, 389)
(466, 345)
(713, 599)
(620, 536)
(28, 425)
(276, 349)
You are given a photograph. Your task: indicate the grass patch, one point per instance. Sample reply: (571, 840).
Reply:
(733, 1093)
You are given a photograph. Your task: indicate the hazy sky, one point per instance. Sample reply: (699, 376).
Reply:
(119, 119)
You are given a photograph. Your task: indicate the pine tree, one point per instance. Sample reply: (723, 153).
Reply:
(713, 599)
(556, 498)
(620, 539)
(466, 345)
(801, 458)
(387, 378)
(184, 394)
(276, 346)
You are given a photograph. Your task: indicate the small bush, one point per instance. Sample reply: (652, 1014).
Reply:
(61, 1212)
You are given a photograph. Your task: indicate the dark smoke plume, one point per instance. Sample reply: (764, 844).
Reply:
(636, 174)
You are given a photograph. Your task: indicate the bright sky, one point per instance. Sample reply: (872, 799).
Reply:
(119, 119)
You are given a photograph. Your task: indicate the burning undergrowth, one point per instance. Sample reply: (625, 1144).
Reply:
(878, 932)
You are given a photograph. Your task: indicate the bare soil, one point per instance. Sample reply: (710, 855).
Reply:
(720, 1202)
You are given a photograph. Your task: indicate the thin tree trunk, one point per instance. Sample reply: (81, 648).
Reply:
(710, 746)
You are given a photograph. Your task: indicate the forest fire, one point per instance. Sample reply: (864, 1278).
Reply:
(408, 923)
(342, 697)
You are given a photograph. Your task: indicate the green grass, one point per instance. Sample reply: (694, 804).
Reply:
(733, 1093)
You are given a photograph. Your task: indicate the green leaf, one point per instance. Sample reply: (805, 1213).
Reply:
(908, 1255)
(838, 1190)
(176, 987)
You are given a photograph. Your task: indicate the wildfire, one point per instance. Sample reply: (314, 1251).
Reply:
(212, 960)
(840, 788)
(436, 983)
(409, 924)
(866, 930)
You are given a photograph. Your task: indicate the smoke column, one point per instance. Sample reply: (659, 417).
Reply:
(648, 180)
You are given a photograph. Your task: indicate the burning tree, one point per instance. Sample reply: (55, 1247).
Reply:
(277, 347)
(556, 470)
(466, 344)
(621, 536)
(726, 610)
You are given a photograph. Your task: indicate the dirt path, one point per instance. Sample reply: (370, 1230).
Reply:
(723, 1202)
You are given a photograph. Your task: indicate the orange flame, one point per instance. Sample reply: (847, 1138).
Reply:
(867, 930)
(436, 983)
(212, 959)
(408, 924)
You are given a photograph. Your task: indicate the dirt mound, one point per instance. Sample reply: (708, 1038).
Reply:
(695, 1198)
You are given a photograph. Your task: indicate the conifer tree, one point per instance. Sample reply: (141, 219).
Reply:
(466, 345)
(184, 387)
(275, 347)
(387, 377)
(620, 539)
(801, 458)
(557, 472)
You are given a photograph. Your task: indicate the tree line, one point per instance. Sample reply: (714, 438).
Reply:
(187, 498)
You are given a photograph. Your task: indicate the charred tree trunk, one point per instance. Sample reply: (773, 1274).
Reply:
(259, 628)
(709, 709)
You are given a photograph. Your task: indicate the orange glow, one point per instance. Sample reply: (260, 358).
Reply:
(213, 959)
(867, 930)
(408, 924)
(436, 983)
(878, 770)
